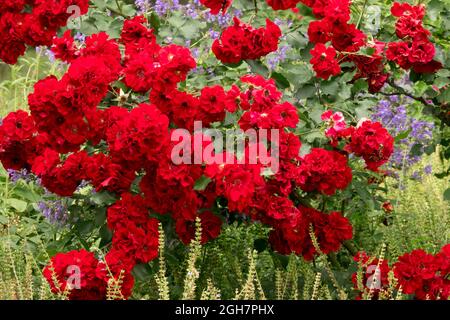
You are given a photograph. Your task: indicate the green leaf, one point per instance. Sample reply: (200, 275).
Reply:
(4, 220)
(299, 74)
(280, 80)
(444, 97)
(330, 88)
(105, 235)
(176, 21)
(103, 198)
(202, 183)
(233, 65)
(142, 272)
(100, 4)
(447, 194)
(257, 67)
(305, 92)
(18, 205)
(416, 150)
(155, 23)
(129, 10)
(402, 135)
(85, 227)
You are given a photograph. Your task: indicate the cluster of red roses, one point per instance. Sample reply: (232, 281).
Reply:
(373, 143)
(418, 273)
(241, 41)
(375, 275)
(124, 143)
(415, 50)
(368, 140)
(33, 23)
(80, 274)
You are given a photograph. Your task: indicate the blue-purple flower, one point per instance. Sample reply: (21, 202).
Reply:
(393, 114)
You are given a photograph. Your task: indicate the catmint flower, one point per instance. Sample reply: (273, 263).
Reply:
(54, 211)
(416, 176)
(277, 57)
(175, 5)
(392, 113)
(80, 37)
(142, 5)
(161, 7)
(46, 52)
(195, 53)
(214, 34)
(16, 175)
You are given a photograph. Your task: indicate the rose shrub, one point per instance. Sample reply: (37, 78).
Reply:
(108, 124)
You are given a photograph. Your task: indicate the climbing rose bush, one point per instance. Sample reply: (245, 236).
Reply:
(110, 121)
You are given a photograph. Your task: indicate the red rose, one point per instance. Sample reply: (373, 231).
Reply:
(319, 31)
(324, 62)
(241, 41)
(217, 5)
(282, 4)
(323, 171)
(211, 227)
(80, 268)
(373, 143)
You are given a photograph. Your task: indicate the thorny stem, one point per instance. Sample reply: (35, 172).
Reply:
(406, 93)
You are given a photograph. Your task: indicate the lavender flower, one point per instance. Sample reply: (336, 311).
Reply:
(143, 6)
(46, 52)
(24, 175)
(277, 57)
(214, 34)
(16, 175)
(416, 176)
(161, 7)
(54, 211)
(393, 115)
(80, 37)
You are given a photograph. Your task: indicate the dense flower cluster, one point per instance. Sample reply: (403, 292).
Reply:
(135, 234)
(84, 277)
(127, 150)
(241, 41)
(418, 273)
(324, 171)
(425, 275)
(415, 50)
(371, 141)
(368, 140)
(374, 275)
(32, 23)
(330, 230)
(346, 41)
